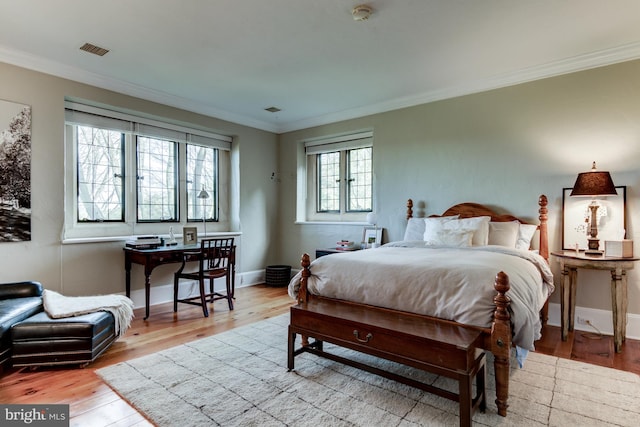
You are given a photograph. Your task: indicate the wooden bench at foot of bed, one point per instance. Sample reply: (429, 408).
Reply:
(425, 343)
(435, 345)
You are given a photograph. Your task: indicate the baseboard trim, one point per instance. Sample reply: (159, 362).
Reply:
(601, 319)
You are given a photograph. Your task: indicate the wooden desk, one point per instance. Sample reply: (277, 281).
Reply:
(151, 258)
(570, 261)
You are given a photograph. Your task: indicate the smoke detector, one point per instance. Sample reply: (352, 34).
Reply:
(361, 12)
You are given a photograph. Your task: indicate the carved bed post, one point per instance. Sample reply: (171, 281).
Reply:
(544, 234)
(302, 292)
(544, 248)
(501, 341)
(409, 209)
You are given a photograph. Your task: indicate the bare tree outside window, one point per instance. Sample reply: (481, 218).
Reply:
(15, 172)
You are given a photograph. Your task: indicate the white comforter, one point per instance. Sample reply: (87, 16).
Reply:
(445, 282)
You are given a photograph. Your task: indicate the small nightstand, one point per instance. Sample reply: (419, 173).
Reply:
(570, 261)
(323, 252)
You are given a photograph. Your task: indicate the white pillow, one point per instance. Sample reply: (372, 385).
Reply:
(457, 238)
(504, 233)
(414, 230)
(479, 225)
(525, 234)
(431, 227)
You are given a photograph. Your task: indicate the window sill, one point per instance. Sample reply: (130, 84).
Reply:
(81, 240)
(358, 223)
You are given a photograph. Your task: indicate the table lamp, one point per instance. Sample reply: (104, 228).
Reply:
(203, 195)
(594, 184)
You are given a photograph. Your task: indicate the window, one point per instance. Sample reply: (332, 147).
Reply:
(339, 177)
(100, 174)
(132, 174)
(157, 179)
(202, 174)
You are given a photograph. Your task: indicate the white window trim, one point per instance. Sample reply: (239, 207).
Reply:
(324, 144)
(83, 114)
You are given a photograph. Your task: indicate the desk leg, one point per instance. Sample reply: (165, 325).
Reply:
(127, 274)
(147, 289)
(619, 304)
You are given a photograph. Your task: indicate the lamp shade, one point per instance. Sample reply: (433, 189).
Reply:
(203, 194)
(372, 218)
(594, 183)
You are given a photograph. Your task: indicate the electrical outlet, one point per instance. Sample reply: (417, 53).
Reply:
(583, 321)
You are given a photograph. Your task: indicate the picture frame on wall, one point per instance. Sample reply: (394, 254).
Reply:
(15, 172)
(189, 235)
(372, 236)
(576, 216)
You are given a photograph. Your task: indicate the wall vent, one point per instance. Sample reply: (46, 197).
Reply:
(96, 50)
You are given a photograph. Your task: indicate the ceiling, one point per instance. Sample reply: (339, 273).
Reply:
(232, 59)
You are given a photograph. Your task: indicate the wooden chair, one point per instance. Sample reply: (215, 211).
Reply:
(216, 259)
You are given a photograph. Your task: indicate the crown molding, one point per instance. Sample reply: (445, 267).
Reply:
(584, 62)
(57, 69)
(587, 61)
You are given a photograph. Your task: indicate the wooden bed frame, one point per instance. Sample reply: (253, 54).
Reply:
(498, 338)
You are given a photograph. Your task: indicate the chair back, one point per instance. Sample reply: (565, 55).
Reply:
(217, 253)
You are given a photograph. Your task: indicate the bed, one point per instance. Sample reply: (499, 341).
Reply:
(469, 266)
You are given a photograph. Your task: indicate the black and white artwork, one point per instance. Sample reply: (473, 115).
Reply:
(15, 172)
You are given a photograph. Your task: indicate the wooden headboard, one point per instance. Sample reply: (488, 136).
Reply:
(469, 210)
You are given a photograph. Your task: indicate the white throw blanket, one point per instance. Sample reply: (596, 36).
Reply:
(58, 306)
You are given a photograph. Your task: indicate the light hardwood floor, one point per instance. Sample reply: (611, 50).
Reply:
(93, 403)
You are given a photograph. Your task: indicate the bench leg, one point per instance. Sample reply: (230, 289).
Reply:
(290, 351)
(481, 387)
(465, 394)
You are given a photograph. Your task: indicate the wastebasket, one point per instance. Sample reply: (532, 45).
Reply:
(277, 275)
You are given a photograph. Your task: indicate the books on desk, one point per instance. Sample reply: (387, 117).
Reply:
(144, 242)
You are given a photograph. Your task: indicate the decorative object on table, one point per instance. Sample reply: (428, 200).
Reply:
(345, 245)
(618, 248)
(373, 240)
(15, 172)
(371, 237)
(144, 242)
(189, 235)
(204, 195)
(172, 238)
(581, 219)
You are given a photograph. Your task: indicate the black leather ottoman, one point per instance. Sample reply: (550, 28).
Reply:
(40, 340)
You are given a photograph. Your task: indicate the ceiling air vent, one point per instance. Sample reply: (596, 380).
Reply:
(96, 50)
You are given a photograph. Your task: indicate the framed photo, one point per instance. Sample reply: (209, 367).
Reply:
(371, 236)
(189, 235)
(576, 216)
(15, 172)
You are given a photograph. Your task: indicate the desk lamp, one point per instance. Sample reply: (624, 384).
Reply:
(594, 184)
(204, 195)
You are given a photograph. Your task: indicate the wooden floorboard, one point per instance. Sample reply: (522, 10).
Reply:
(93, 403)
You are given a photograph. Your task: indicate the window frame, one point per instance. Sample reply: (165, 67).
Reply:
(131, 126)
(308, 210)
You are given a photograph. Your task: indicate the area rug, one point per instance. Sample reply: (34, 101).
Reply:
(240, 378)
